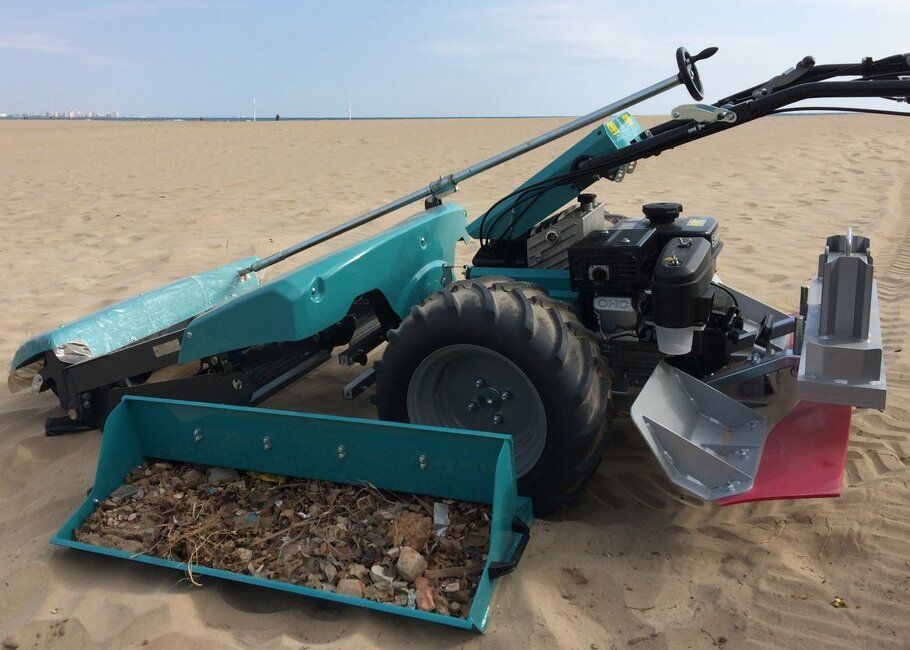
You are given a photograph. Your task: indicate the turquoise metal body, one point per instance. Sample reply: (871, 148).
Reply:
(466, 465)
(136, 318)
(406, 263)
(555, 281)
(607, 138)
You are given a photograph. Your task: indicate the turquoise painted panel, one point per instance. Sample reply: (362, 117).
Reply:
(136, 318)
(555, 281)
(606, 138)
(467, 465)
(406, 262)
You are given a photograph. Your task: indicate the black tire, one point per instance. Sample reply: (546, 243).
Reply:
(545, 339)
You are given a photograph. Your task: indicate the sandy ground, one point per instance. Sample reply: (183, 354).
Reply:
(91, 213)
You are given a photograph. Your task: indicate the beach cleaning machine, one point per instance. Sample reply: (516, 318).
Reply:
(568, 315)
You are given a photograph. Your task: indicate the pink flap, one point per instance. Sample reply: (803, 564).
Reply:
(804, 455)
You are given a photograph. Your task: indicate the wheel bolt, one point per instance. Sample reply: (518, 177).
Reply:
(497, 419)
(479, 382)
(472, 406)
(505, 395)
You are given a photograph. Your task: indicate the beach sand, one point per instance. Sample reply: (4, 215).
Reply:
(91, 213)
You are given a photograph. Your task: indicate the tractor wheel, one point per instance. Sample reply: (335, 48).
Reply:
(498, 355)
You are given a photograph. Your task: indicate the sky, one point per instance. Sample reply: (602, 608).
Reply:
(392, 58)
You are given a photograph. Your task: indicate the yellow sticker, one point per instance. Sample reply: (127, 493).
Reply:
(696, 222)
(612, 128)
(627, 119)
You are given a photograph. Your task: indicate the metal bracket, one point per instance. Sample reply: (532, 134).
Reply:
(703, 113)
(360, 383)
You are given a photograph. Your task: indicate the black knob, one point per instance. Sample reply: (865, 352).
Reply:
(661, 214)
(587, 200)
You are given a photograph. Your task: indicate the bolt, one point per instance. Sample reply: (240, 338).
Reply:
(72, 414)
(267, 443)
(479, 382)
(189, 335)
(237, 384)
(197, 435)
(423, 461)
(313, 290)
(341, 452)
(472, 406)
(754, 424)
(213, 361)
(676, 114)
(423, 241)
(721, 115)
(497, 419)
(505, 395)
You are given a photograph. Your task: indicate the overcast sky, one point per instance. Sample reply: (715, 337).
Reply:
(392, 58)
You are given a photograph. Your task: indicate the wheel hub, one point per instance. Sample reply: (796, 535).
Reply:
(472, 387)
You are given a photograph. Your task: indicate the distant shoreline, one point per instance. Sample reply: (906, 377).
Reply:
(344, 119)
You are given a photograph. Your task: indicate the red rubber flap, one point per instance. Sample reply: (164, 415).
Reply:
(804, 455)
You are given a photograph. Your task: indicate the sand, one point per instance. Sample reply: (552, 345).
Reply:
(91, 213)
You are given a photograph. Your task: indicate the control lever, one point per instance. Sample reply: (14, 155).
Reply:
(688, 73)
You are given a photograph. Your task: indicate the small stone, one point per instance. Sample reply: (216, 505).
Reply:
(330, 572)
(132, 516)
(424, 591)
(193, 479)
(125, 491)
(244, 554)
(394, 552)
(455, 608)
(218, 475)
(11, 642)
(411, 529)
(350, 587)
(379, 576)
(411, 564)
(358, 570)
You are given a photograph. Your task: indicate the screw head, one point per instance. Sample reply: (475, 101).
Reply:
(197, 435)
(479, 382)
(266, 443)
(497, 419)
(237, 384)
(471, 406)
(423, 461)
(341, 452)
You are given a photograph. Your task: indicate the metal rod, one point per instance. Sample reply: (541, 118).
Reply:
(447, 184)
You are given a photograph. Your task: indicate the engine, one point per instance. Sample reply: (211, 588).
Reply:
(647, 286)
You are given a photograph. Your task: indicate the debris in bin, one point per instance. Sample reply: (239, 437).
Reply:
(355, 540)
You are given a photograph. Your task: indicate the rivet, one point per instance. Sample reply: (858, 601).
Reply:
(479, 382)
(266, 443)
(341, 452)
(423, 461)
(197, 435)
(472, 406)
(237, 384)
(505, 394)
(497, 419)
(189, 335)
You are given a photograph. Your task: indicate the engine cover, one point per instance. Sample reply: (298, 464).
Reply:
(682, 294)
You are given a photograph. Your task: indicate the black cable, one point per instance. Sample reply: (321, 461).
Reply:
(841, 109)
(728, 292)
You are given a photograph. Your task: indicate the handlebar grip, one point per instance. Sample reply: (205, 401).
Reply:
(706, 53)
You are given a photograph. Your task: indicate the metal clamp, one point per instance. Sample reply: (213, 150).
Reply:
(703, 113)
(444, 186)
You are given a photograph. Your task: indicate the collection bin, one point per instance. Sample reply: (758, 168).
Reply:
(432, 461)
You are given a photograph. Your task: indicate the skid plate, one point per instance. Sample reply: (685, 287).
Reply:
(708, 444)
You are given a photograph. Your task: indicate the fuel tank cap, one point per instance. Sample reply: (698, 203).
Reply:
(661, 214)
